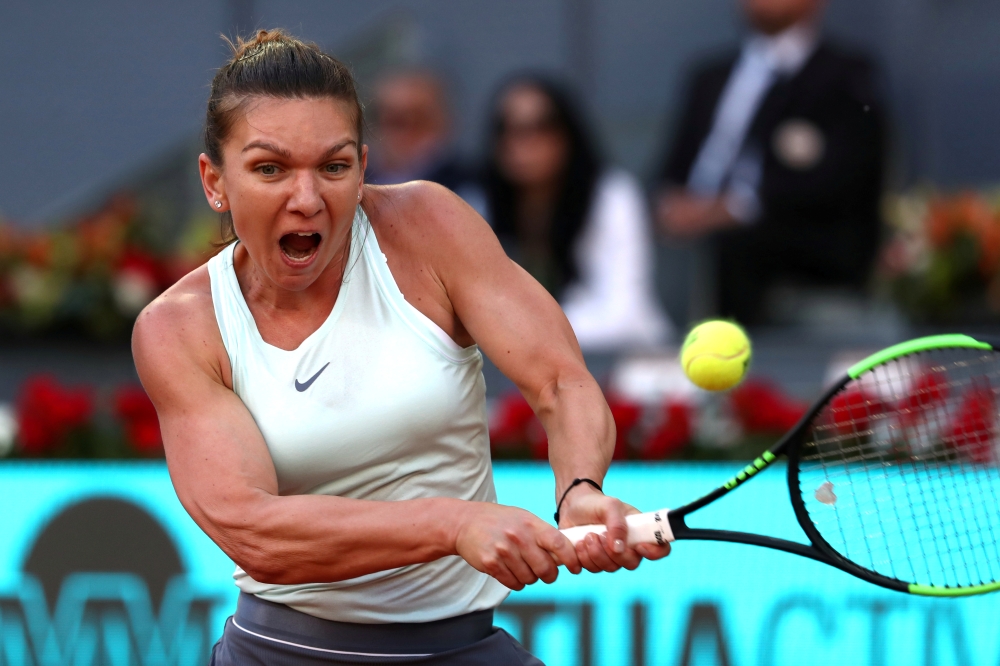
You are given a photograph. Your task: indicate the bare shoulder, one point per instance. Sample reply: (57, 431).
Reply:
(178, 329)
(427, 217)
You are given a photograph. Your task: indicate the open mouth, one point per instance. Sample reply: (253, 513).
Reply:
(300, 246)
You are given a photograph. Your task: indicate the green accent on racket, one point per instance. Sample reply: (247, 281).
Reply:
(894, 474)
(913, 347)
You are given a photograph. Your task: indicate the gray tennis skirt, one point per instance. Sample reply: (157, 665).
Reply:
(262, 632)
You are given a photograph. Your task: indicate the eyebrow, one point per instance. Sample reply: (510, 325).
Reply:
(339, 147)
(267, 146)
(263, 145)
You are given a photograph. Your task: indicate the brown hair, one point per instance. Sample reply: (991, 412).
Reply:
(272, 64)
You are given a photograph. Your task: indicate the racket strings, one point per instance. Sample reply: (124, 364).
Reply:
(899, 470)
(968, 515)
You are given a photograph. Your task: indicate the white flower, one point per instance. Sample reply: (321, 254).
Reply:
(33, 288)
(133, 290)
(8, 429)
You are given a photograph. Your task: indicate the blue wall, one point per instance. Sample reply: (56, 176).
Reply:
(90, 92)
(705, 604)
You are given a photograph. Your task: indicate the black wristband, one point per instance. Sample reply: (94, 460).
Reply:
(573, 485)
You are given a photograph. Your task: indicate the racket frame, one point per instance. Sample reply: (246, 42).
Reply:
(790, 446)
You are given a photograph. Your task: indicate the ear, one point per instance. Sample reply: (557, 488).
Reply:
(213, 184)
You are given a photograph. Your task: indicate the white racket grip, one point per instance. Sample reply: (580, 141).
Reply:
(652, 527)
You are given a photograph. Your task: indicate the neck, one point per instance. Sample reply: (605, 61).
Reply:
(536, 202)
(285, 318)
(808, 22)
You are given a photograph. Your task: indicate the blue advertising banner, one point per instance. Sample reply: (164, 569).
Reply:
(99, 564)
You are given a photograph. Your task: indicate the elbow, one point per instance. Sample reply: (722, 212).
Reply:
(241, 532)
(260, 557)
(265, 562)
(280, 569)
(277, 560)
(267, 570)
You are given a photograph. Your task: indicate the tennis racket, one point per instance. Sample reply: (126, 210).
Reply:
(892, 475)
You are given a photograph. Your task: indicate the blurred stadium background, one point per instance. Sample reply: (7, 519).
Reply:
(101, 106)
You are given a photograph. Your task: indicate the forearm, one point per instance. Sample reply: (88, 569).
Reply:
(580, 429)
(318, 538)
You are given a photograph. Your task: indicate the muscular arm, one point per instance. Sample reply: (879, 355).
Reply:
(224, 476)
(515, 322)
(524, 332)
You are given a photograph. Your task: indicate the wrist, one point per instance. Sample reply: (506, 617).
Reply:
(454, 515)
(564, 500)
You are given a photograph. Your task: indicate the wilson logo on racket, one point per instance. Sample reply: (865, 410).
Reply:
(760, 463)
(658, 534)
(893, 474)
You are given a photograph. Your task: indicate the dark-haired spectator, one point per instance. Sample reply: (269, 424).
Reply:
(580, 228)
(778, 155)
(413, 132)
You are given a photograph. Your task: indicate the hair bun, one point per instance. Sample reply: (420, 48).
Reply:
(245, 48)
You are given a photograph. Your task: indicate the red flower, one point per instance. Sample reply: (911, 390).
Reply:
(850, 411)
(48, 411)
(142, 427)
(626, 415)
(929, 391)
(973, 429)
(761, 407)
(139, 261)
(538, 440)
(673, 435)
(515, 424)
(510, 420)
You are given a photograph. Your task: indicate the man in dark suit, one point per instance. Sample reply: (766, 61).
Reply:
(778, 157)
(412, 132)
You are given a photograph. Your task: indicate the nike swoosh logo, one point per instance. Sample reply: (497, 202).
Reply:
(303, 386)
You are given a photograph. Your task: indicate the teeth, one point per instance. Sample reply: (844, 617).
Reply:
(303, 233)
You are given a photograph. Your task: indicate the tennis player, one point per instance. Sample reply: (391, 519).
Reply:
(320, 392)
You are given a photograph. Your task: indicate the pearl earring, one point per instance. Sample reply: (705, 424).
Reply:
(218, 204)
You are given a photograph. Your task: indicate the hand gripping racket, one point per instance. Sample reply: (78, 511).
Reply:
(893, 474)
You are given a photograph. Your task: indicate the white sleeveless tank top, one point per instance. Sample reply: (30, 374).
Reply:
(378, 403)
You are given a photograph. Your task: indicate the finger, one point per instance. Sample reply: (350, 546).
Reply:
(533, 554)
(629, 559)
(511, 556)
(599, 553)
(614, 517)
(493, 566)
(583, 553)
(561, 549)
(651, 551)
(541, 563)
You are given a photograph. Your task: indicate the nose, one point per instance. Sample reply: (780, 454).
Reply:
(305, 198)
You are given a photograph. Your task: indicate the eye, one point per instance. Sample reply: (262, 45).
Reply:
(268, 169)
(335, 168)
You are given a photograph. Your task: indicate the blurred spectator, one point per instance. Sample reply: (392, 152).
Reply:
(778, 154)
(580, 228)
(412, 134)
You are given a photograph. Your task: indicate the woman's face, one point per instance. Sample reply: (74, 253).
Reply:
(774, 16)
(292, 177)
(532, 149)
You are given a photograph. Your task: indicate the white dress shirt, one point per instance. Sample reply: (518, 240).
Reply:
(613, 305)
(723, 166)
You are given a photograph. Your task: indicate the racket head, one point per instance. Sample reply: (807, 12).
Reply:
(894, 475)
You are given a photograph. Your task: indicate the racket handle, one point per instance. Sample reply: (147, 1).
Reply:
(652, 527)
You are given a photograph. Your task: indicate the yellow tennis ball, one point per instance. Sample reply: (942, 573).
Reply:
(715, 355)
